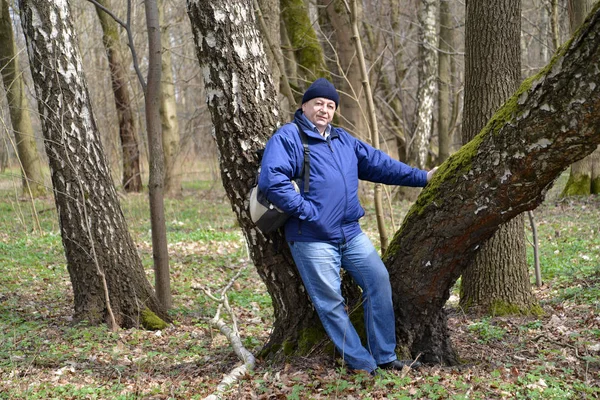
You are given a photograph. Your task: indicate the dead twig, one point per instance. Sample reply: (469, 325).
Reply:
(232, 335)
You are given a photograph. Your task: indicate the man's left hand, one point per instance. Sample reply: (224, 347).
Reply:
(430, 174)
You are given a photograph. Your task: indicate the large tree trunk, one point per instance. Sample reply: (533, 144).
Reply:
(27, 151)
(581, 182)
(551, 121)
(93, 228)
(168, 111)
(132, 179)
(244, 112)
(497, 281)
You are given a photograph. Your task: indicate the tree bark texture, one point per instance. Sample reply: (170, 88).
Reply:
(93, 228)
(168, 111)
(18, 105)
(156, 189)
(492, 74)
(497, 281)
(132, 178)
(551, 121)
(581, 180)
(426, 92)
(244, 110)
(303, 39)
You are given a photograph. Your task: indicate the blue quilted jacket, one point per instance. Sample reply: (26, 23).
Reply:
(330, 211)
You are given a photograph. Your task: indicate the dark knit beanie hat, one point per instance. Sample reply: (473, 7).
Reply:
(321, 88)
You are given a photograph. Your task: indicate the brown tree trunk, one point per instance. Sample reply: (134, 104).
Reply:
(27, 151)
(156, 188)
(93, 228)
(446, 46)
(580, 181)
(497, 282)
(243, 120)
(132, 179)
(308, 52)
(168, 111)
(505, 170)
(492, 73)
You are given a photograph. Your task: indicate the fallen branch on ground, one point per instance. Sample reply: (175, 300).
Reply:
(233, 336)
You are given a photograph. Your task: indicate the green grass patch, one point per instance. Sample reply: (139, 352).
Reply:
(44, 356)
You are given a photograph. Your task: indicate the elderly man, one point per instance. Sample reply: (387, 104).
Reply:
(323, 232)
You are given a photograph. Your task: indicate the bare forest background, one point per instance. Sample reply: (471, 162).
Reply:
(198, 152)
(391, 42)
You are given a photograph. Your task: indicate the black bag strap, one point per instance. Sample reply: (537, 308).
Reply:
(306, 166)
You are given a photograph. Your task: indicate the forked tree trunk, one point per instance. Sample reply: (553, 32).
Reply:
(551, 121)
(504, 171)
(93, 228)
(244, 112)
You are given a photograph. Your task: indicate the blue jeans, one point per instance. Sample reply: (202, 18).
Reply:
(319, 266)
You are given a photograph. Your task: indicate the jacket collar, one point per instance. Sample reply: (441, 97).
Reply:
(308, 126)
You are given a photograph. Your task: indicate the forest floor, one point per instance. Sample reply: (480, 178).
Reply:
(43, 355)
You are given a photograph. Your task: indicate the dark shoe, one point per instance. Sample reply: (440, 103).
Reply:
(400, 364)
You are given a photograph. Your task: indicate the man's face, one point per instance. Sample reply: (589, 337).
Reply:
(319, 111)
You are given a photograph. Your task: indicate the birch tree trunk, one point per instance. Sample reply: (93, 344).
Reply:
(132, 178)
(244, 110)
(428, 65)
(18, 105)
(93, 228)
